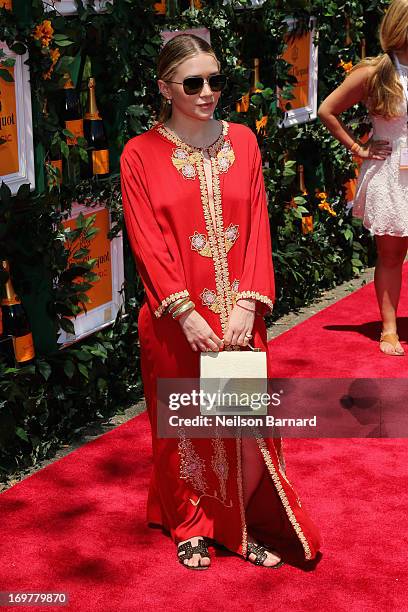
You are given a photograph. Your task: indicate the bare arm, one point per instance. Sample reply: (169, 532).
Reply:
(350, 92)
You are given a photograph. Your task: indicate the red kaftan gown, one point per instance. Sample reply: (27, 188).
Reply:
(181, 249)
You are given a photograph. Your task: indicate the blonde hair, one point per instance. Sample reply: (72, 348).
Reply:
(174, 52)
(384, 92)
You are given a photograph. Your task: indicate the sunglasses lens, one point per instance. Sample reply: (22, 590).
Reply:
(193, 85)
(217, 82)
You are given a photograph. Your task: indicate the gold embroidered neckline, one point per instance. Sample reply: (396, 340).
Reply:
(212, 149)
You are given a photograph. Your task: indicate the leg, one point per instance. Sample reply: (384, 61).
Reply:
(252, 469)
(388, 273)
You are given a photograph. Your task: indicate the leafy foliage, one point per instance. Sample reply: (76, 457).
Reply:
(42, 404)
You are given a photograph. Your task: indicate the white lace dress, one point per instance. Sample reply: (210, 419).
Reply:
(381, 198)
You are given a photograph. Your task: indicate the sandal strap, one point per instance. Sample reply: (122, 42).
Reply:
(187, 549)
(259, 551)
(390, 338)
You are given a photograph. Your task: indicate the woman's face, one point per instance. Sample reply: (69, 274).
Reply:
(198, 106)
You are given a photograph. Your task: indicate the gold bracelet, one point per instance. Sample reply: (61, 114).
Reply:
(183, 308)
(176, 303)
(355, 147)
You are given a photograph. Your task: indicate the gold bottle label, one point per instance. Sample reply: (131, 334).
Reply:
(100, 162)
(76, 126)
(23, 347)
(95, 116)
(11, 301)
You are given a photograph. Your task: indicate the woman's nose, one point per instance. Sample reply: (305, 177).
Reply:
(206, 90)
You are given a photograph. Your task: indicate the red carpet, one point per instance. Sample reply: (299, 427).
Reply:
(342, 340)
(78, 525)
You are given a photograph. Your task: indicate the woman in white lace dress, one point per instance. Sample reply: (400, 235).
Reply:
(381, 199)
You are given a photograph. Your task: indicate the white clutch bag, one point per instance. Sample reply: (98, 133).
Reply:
(231, 381)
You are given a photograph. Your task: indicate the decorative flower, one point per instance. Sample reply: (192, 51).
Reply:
(54, 56)
(261, 124)
(44, 32)
(307, 224)
(347, 66)
(324, 204)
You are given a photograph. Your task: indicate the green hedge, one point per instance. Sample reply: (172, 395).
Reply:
(41, 405)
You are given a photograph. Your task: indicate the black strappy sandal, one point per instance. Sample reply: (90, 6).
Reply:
(187, 550)
(260, 551)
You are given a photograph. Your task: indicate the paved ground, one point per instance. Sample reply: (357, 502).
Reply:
(95, 429)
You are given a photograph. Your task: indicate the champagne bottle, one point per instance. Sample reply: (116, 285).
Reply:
(6, 346)
(73, 121)
(16, 323)
(242, 105)
(95, 135)
(72, 112)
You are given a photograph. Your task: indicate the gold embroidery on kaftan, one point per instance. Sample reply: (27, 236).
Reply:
(169, 300)
(220, 465)
(209, 298)
(244, 532)
(231, 234)
(200, 243)
(212, 300)
(192, 466)
(257, 296)
(222, 157)
(283, 497)
(185, 157)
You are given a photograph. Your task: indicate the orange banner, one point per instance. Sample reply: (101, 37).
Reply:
(99, 248)
(9, 162)
(297, 53)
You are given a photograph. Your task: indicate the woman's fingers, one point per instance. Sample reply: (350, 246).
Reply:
(212, 345)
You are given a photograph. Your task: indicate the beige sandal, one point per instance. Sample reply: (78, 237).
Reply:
(393, 340)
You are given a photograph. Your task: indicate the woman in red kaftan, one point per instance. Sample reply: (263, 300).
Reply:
(198, 226)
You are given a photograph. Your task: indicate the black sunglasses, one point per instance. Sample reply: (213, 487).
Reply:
(193, 85)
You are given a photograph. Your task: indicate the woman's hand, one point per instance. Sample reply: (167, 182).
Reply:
(198, 332)
(240, 322)
(374, 149)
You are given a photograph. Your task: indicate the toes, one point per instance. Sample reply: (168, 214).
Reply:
(271, 560)
(387, 348)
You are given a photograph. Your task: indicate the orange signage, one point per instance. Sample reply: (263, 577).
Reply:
(297, 53)
(99, 248)
(9, 162)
